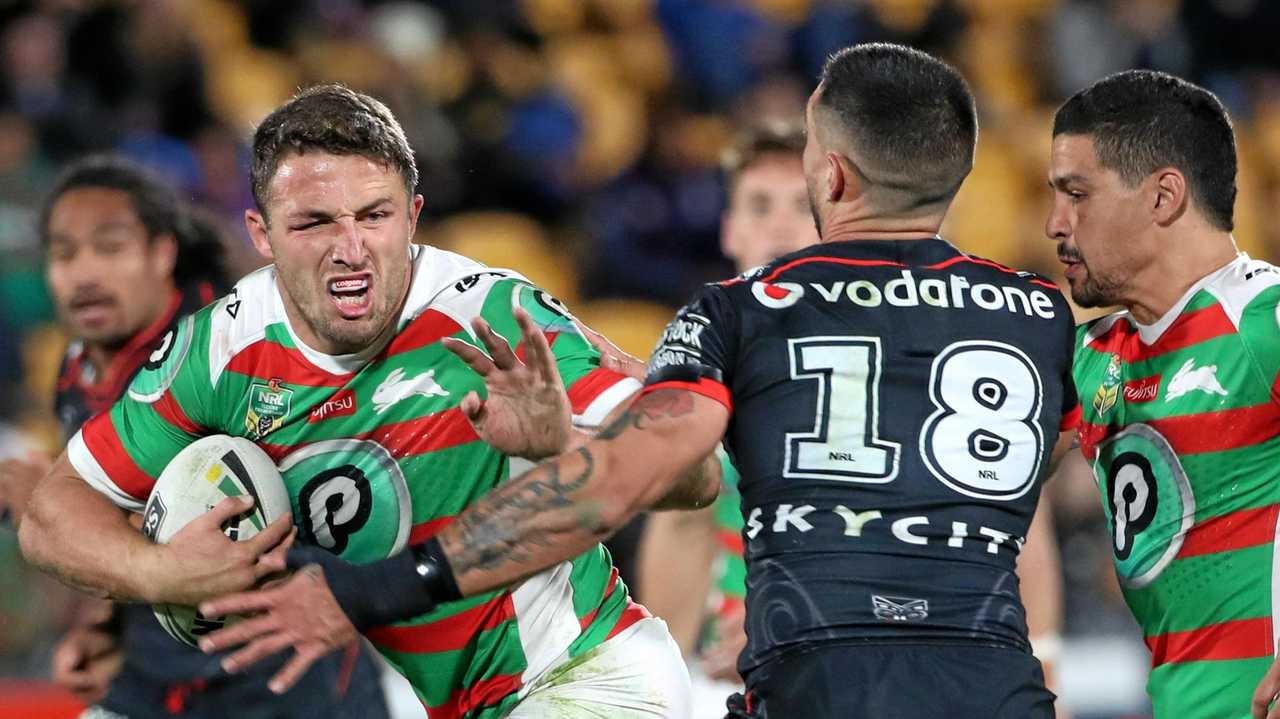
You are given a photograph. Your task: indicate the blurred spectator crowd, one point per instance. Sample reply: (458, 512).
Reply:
(576, 141)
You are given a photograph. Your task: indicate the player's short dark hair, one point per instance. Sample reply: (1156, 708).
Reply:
(909, 117)
(757, 142)
(1141, 121)
(332, 119)
(201, 254)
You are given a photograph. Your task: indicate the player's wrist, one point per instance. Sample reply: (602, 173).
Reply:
(403, 586)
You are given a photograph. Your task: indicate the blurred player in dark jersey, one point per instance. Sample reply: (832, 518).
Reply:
(126, 260)
(892, 403)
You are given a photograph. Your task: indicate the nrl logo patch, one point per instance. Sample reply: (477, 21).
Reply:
(268, 405)
(1107, 395)
(899, 609)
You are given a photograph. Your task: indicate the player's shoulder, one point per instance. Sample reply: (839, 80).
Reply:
(1245, 286)
(238, 319)
(457, 286)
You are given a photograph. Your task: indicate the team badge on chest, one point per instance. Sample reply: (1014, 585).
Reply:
(268, 405)
(1107, 395)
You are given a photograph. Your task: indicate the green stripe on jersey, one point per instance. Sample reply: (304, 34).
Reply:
(1215, 689)
(1231, 578)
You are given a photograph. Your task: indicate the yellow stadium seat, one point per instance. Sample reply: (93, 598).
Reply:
(633, 325)
(512, 241)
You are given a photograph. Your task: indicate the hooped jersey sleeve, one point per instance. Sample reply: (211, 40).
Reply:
(121, 452)
(593, 391)
(698, 348)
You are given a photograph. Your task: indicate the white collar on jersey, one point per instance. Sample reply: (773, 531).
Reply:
(349, 363)
(1152, 332)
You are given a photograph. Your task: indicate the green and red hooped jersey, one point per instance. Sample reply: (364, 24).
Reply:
(1182, 428)
(730, 567)
(377, 455)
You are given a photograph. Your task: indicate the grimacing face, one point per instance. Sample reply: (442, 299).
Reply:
(768, 214)
(109, 279)
(1098, 222)
(338, 228)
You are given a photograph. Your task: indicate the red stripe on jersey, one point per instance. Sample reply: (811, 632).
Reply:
(169, 410)
(423, 531)
(590, 386)
(427, 328)
(1072, 419)
(1190, 328)
(730, 605)
(1239, 639)
(833, 260)
(1091, 435)
(1221, 430)
(103, 442)
(268, 359)
(731, 541)
(973, 261)
(1237, 530)
(483, 693)
(1275, 389)
(632, 614)
(446, 635)
(521, 346)
(590, 616)
(441, 430)
(704, 386)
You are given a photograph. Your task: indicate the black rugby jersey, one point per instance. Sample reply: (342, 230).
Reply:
(893, 408)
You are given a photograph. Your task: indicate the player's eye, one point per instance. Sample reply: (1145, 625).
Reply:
(306, 226)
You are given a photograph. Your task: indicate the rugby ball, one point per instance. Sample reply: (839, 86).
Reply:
(203, 474)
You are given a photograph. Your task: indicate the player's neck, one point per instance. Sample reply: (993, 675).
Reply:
(859, 222)
(1165, 281)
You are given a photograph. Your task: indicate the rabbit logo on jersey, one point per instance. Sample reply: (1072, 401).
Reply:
(1148, 502)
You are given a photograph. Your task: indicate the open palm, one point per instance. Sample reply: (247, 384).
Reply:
(527, 412)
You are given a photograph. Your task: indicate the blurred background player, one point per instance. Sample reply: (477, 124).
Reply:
(691, 571)
(127, 260)
(1180, 386)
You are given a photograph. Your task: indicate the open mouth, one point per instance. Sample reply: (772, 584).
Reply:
(351, 295)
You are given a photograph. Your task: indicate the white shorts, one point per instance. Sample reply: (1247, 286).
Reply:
(638, 674)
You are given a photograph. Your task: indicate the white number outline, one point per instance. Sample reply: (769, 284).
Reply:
(822, 417)
(942, 411)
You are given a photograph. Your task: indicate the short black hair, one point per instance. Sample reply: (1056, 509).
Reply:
(201, 253)
(1141, 121)
(908, 116)
(333, 119)
(758, 141)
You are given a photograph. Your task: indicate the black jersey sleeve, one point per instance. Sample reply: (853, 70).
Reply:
(697, 350)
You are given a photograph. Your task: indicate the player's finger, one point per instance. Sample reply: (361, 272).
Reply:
(273, 535)
(293, 671)
(275, 560)
(478, 361)
(497, 345)
(67, 657)
(258, 600)
(241, 632)
(227, 509)
(258, 649)
(97, 644)
(1265, 693)
(537, 353)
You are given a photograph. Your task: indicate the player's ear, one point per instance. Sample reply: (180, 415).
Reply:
(1170, 196)
(256, 224)
(164, 252)
(415, 208)
(837, 177)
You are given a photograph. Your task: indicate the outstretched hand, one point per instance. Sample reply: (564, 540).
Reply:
(612, 357)
(527, 413)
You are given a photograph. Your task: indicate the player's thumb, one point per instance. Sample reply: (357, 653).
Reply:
(473, 408)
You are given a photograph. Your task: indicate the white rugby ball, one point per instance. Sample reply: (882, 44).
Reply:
(199, 477)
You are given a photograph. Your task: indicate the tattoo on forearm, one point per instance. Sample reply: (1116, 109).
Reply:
(648, 409)
(502, 528)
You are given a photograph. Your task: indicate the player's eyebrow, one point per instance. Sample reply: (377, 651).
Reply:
(323, 215)
(1061, 181)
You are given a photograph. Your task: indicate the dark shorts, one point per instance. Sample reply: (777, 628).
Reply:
(901, 681)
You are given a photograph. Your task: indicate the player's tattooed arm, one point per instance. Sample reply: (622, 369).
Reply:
(564, 506)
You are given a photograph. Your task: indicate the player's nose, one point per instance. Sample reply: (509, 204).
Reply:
(348, 244)
(1057, 226)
